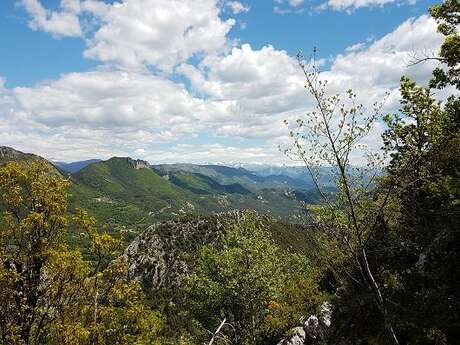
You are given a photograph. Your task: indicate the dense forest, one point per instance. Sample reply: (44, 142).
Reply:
(371, 256)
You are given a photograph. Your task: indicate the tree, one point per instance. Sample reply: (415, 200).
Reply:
(48, 293)
(252, 284)
(426, 135)
(32, 227)
(425, 241)
(447, 16)
(448, 73)
(396, 235)
(328, 136)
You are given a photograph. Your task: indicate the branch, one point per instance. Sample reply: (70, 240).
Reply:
(216, 333)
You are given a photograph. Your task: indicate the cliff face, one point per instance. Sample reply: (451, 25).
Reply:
(138, 163)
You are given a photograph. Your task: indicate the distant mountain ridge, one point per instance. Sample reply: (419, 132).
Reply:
(259, 175)
(249, 179)
(130, 194)
(74, 167)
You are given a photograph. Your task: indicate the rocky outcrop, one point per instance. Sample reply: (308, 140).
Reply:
(10, 154)
(313, 330)
(138, 163)
(297, 337)
(161, 254)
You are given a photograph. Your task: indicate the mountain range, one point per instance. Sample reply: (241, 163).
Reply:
(126, 194)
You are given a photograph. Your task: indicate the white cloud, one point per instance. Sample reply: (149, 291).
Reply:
(382, 64)
(162, 33)
(351, 5)
(118, 99)
(265, 81)
(355, 47)
(62, 23)
(133, 34)
(288, 6)
(293, 3)
(237, 7)
(242, 95)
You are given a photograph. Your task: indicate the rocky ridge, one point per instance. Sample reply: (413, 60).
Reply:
(159, 256)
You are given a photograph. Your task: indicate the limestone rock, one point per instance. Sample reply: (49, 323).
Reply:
(313, 329)
(138, 163)
(159, 256)
(297, 338)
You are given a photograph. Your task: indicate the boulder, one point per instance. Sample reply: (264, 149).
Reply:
(313, 327)
(312, 330)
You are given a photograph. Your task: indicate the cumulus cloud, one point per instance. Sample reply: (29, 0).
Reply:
(265, 81)
(380, 66)
(138, 33)
(157, 32)
(268, 82)
(118, 99)
(61, 23)
(243, 94)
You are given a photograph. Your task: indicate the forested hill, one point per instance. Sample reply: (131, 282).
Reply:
(129, 194)
(128, 253)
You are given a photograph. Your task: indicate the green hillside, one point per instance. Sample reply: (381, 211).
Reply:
(203, 184)
(239, 176)
(119, 178)
(127, 195)
(121, 194)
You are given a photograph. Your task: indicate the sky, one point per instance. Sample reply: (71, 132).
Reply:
(199, 81)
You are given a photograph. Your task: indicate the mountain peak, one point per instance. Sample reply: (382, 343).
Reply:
(9, 154)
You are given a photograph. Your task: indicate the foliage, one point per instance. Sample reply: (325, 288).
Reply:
(345, 222)
(425, 136)
(447, 16)
(251, 283)
(49, 293)
(408, 217)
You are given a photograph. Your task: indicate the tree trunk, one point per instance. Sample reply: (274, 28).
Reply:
(379, 298)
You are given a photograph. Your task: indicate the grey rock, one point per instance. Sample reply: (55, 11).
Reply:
(138, 163)
(297, 338)
(161, 254)
(313, 329)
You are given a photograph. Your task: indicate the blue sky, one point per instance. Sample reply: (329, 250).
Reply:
(198, 81)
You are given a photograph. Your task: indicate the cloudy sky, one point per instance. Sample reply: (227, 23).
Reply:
(191, 80)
